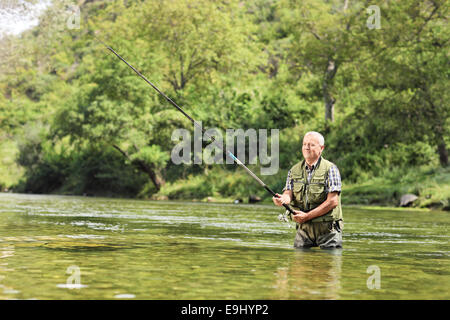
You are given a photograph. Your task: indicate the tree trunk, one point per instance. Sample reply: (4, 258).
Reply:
(439, 131)
(157, 180)
(443, 154)
(329, 100)
(329, 106)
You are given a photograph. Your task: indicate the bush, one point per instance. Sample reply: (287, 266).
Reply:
(92, 170)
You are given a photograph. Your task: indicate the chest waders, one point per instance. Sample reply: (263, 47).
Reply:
(324, 231)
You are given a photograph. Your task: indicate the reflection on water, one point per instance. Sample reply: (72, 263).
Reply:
(54, 247)
(310, 275)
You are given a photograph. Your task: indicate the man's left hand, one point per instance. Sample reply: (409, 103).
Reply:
(300, 216)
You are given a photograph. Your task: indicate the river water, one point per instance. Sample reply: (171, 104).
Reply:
(61, 247)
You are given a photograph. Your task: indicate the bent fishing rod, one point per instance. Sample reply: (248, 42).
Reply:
(288, 208)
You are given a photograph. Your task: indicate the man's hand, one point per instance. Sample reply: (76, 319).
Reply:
(281, 199)
(300, 216)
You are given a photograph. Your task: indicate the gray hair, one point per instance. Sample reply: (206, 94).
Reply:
(318, 135)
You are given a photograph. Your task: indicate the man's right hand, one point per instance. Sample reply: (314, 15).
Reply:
(279, 200)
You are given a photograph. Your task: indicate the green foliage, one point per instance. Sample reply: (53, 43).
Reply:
(101, 171)
(221, 184)
(152, 155)
(195, 187)
(92, 170)
(429, 183)
(10, 171)
(85, 123)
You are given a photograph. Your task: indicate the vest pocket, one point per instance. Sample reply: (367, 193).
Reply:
(317, 187)
(317, 193)
(298, 187)
(298, 191)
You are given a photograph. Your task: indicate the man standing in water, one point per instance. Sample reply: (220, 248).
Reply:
(313, 189)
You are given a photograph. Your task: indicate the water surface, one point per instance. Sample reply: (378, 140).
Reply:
(57, 247)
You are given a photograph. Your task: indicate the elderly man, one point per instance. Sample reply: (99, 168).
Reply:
(313, 189)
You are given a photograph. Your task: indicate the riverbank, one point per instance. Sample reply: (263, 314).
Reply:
(431, 186)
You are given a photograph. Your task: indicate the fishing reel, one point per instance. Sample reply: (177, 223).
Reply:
(286, 217)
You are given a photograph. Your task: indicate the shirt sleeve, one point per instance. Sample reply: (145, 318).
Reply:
(334, 183)
(289, 183)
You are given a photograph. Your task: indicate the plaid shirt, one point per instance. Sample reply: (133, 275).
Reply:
(332, 183)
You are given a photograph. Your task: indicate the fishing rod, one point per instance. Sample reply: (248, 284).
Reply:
(288, 208)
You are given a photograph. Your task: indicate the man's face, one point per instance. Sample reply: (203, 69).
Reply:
(311, 148)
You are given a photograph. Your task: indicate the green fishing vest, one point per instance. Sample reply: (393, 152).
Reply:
(308, 196)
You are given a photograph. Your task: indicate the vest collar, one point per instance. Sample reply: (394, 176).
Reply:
(314, 166)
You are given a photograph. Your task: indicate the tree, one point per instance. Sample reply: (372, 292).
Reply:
(408, 73)
(184, 46)
(324, 35)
